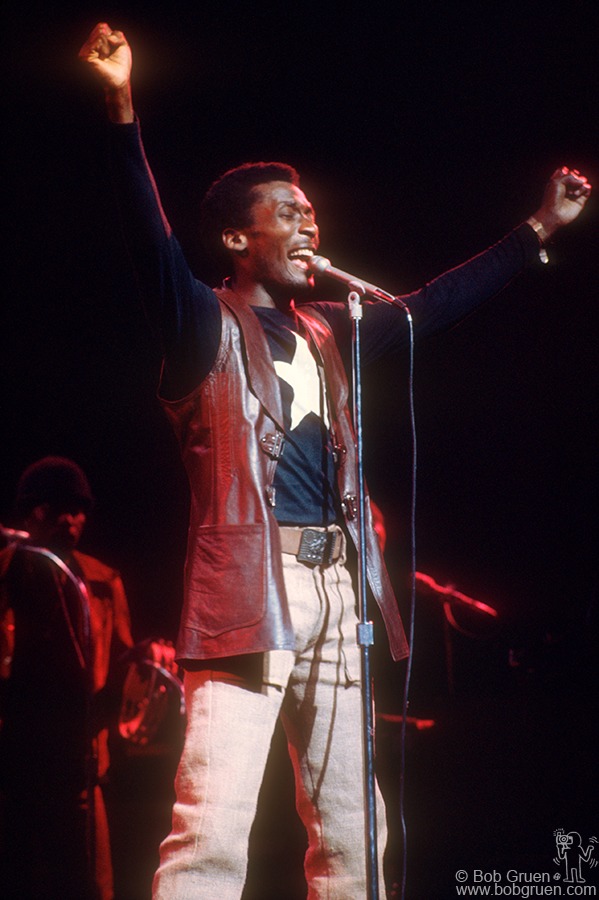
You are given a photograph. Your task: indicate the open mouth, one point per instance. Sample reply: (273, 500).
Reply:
(301, 257)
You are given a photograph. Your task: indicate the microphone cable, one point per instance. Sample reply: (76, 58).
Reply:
(412, 610)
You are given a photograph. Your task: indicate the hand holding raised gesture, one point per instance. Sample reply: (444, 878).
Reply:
(563, 200)
(109, 55)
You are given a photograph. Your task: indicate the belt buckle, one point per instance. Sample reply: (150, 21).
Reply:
(316, 547)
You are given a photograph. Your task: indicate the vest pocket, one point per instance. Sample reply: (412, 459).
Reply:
(226, 578)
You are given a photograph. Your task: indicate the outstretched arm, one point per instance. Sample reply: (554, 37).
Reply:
(109, 55)
(458, 292)
(183, 311)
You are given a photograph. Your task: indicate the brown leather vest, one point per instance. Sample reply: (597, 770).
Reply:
(229, 430)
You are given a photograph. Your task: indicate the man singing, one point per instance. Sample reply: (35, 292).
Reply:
(254, 385)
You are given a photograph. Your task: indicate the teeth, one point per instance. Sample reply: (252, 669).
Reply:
(302, 253)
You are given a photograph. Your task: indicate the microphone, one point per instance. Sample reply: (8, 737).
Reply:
(320, 265)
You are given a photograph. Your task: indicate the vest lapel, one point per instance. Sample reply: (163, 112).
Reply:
(260, 368)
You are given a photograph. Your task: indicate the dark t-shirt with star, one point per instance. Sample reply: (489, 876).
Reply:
(305, 475)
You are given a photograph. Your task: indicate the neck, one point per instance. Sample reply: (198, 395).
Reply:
(255, 294)
(47, 542)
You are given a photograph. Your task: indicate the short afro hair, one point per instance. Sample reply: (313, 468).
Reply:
(229, 200)
(55, 480)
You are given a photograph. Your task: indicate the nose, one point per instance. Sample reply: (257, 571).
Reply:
(77, 518)
(309, 227)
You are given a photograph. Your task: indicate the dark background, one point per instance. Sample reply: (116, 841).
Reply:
(423, 135)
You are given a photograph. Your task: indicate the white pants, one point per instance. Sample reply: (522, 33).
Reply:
(316, 690)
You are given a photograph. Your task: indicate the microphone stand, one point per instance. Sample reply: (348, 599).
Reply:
(365, 630)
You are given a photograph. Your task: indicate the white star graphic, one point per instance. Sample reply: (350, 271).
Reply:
(301, 374)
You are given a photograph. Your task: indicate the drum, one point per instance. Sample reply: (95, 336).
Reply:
(152, 698)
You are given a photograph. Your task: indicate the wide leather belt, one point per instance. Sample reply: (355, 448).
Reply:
(316, 546)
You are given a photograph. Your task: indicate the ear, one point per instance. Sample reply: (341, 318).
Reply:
(235, 241)
(39, 513)
(37, 518)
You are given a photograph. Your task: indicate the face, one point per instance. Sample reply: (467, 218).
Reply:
(57, 529)
(276, 249)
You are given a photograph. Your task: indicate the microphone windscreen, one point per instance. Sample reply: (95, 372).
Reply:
(318, 265)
